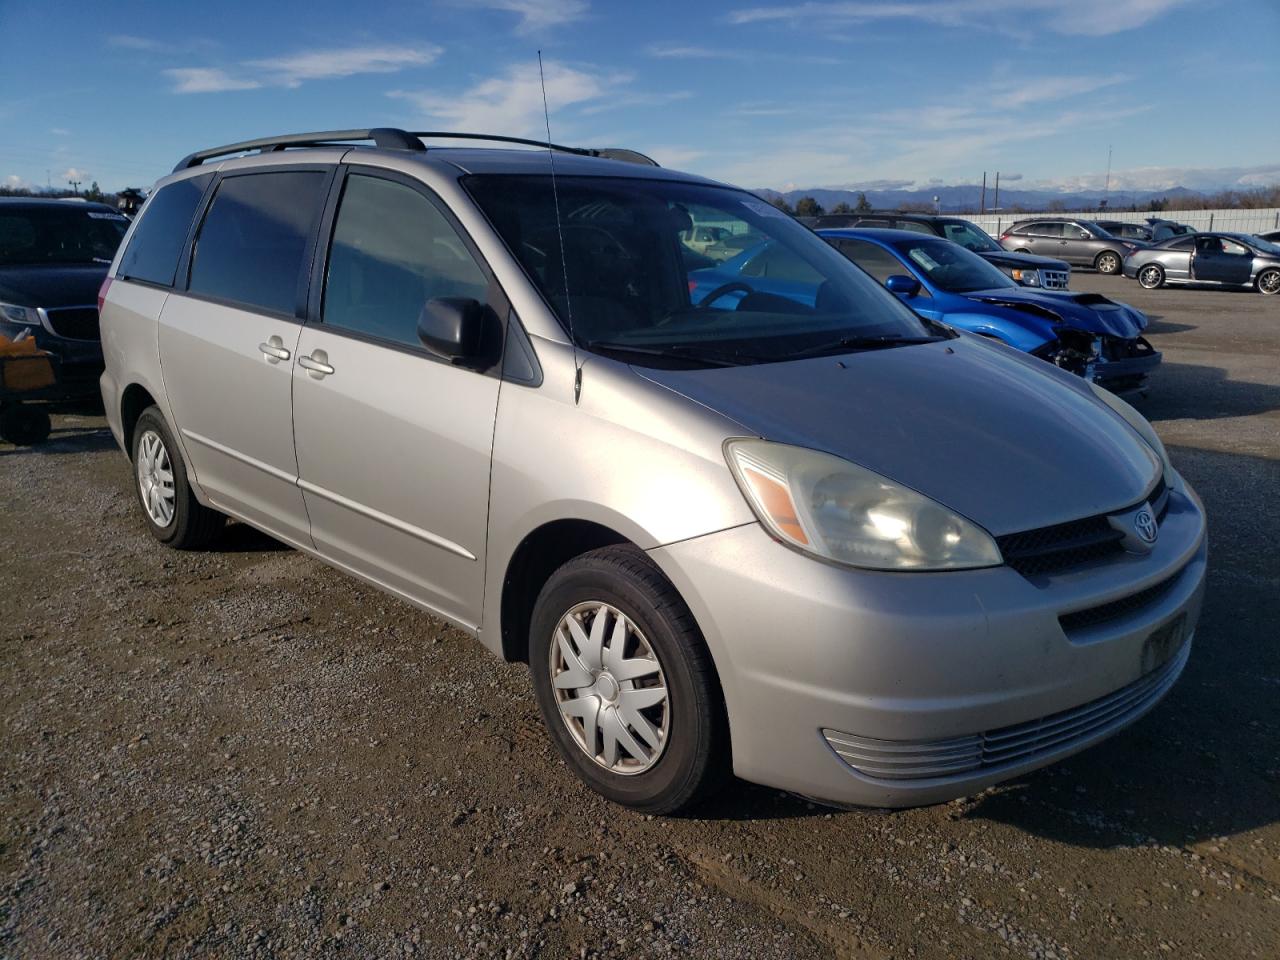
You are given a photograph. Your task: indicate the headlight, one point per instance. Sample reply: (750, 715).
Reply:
(12, 313)
(1140, 424)
(838, 511)
(1028, 278)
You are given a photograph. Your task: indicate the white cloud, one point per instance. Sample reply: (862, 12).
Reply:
(15, 182)
(537, 14)
(60, 131)
(637, 100)
(1166, 178)
(675, 156)
(1081, 17)
(676, 51)
(207, 80)
(511, 103)
(292, 70)
(76, 174)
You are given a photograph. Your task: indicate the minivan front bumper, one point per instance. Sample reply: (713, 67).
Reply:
(900, 689)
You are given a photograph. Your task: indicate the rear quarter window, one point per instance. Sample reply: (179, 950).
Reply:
(157, 241)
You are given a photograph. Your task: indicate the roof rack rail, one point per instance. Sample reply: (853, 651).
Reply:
(392, 138)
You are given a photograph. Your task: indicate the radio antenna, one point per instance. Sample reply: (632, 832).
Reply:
(564, 262)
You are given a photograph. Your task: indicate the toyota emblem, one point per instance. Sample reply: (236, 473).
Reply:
(1145, 524)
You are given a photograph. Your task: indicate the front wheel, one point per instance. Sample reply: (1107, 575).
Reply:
(1151, 277)
(173, 514)
(1108, 262)
(625, 683)
(1269, 283)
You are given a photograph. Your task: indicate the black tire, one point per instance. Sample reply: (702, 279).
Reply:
(1269, 283)
(694, 761)
(24, 426)
(192, 525)
(1151, 276)
(1108, 262)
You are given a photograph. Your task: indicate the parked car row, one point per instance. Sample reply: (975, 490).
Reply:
(738, 510)
(1236, 260)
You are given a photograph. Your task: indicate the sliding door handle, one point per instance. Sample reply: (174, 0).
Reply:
(274, 350)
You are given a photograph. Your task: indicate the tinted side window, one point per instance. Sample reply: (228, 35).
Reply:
(1074, 231)
(1046, 228)
(252, 247)
(1183, 243)
(877, 261)
(393, 251)
(156, 244)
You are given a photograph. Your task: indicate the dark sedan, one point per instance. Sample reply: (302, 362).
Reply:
(54, 255)
(1236, 260)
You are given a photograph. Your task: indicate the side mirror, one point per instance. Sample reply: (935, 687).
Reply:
(458, 329)
(902, 285)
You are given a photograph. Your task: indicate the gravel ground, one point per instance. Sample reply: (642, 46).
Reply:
(245, 753)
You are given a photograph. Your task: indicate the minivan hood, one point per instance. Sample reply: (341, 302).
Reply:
(52, 285)
(1004, 439)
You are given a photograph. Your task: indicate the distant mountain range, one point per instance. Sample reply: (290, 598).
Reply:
(966, 197)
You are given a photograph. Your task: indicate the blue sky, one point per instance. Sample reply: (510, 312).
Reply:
(907, 92)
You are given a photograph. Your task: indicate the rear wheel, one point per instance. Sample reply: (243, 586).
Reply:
(1108, 262)
(173, 514)
(625, 683)
(1269, 283)
(1151, 277)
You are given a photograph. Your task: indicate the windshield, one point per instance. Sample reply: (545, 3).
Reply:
(968, 236)
(685, 273)
(951, 267)
(48, 234)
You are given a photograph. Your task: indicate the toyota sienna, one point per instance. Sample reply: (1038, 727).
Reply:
(800, 534)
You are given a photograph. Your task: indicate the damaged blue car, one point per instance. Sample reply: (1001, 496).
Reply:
(1084, 333)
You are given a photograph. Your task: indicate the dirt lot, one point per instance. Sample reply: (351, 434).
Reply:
(245, 753)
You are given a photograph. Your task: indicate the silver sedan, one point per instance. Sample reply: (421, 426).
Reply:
(1213, 259)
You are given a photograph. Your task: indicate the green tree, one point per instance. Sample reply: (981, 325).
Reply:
(781, 203)
(864, 205)
(808, 207)
(842, 207)
(94, 192)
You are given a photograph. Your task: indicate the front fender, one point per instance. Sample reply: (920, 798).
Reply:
(1019, 335)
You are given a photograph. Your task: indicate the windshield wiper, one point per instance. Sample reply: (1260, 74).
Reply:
(858, 343)
(682, 351)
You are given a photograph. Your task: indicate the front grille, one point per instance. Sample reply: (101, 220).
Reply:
(1021, 743)
(1075, 543)
(1116, 609)
(1061, 546)
(74, 323)
(1054, 279)
(1126, 348)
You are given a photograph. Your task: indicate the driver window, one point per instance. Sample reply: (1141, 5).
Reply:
(392, 251)
(1073, 232)
(1208, 245)
(1233, 248)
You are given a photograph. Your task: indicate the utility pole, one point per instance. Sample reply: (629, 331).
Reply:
(996, 205)
(1106, 187)
(75, 186)
(982, 204)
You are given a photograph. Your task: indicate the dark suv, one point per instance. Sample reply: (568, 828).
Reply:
(1079, 242)
(1027, 269)
(54, 256)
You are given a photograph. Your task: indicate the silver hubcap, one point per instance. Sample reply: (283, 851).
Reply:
(1270, 282)
(155, 479)
(1107, 264)
(610, 689)
(1150, 277)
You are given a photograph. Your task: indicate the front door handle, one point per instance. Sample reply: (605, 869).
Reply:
(316, 364)
(274, 350)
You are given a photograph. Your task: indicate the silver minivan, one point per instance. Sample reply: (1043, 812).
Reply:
(789, 530)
